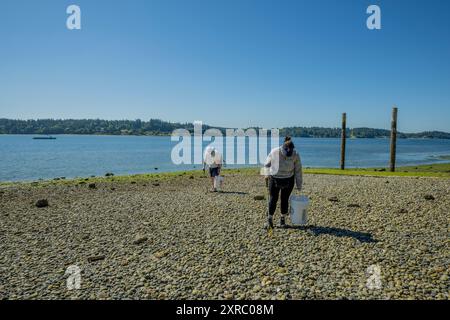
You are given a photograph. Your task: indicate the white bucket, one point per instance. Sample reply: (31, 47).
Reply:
(218, 182)
(299, 210)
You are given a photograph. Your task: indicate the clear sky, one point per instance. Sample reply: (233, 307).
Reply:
(234, 63)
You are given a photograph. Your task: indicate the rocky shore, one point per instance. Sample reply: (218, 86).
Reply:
(155, 238)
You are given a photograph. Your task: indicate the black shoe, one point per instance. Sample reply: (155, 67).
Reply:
(283, 223)
(269, 223)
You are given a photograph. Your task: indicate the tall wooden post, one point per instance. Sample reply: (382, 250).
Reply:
(343, 137)
(393, 139)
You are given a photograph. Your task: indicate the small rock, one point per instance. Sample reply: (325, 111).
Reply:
(228, 296)
(191, 177)
(259, 197)
(266, 281)
(353, 205)
(160, 254)
(333, 199)
(92, 186)
(156, 184)
(96, 258)
(140, 239)
(281, 296)
(42, 203)
(429, 197)
(281, 270)
(102, 296)
(133, 182)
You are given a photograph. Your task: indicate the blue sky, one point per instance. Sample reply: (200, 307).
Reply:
(234, 63)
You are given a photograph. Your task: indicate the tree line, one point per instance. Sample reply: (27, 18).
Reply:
(160, 127)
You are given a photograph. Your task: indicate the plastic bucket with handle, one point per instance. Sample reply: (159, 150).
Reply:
(299, 210)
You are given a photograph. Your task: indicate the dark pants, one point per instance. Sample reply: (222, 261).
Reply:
(277, 185)
(214, 172)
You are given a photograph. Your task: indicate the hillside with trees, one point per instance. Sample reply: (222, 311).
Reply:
(160, 127)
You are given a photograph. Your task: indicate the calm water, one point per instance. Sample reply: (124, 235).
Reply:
(25, 159)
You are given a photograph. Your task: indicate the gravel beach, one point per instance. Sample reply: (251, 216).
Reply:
(173, 239)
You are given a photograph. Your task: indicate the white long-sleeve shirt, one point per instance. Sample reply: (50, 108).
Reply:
(281, 166)
(213, 161)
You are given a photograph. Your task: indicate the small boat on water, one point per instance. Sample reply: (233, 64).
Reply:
(44, 138)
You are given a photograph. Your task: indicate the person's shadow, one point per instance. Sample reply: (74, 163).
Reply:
(363, 237)
(233, 192)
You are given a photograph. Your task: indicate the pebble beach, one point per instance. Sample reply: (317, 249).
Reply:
(171, 238)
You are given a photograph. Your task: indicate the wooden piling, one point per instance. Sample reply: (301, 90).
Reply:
(393, 139)
(343, 138)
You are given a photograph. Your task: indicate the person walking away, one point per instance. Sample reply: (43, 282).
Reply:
(212, 160)
(285, 170)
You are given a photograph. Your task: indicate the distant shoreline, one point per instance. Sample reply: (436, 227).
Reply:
(168, 135)
(156, 127)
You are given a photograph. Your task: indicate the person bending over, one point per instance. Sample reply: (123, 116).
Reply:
(285, 170)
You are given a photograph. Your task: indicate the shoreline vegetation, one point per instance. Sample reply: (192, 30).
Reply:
(440, 170)
(156, 127)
